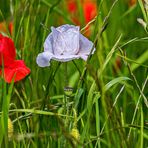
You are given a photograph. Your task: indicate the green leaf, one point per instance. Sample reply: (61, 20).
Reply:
(115, 81)
(143, 58)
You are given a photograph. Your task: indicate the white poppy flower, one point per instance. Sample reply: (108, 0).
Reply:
(63, 44)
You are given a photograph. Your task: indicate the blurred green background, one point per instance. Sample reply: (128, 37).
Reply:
(107, 106)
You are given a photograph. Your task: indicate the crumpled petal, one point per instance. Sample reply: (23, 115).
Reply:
(85, 46)
(44, 58)
(7, 50)
(65, 58)
(48, 43)
(65, 41)
(17, 71)
(58, 42)
(64, 28)
(71, 38)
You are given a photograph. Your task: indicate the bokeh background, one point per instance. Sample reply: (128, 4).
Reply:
(107, 106)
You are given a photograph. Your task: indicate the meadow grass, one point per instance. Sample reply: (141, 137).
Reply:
(107, 106)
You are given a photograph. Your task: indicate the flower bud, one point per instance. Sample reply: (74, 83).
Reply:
(142, 22)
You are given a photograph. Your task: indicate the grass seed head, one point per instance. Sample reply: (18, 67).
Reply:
(10, 128)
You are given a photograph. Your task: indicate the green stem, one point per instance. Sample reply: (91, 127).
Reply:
(66, 74)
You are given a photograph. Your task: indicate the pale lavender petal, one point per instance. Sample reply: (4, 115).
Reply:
(43, 59)
(71, 38)
(67, 42)
(84, 57)
(48, 43)
(64, 28)
(65, 58)
(58, 42)
(63, 44)
(85, 46)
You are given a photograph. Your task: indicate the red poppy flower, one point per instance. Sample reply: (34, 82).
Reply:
(13, 69)
(89, 11)
(7, 50)
(72, 6)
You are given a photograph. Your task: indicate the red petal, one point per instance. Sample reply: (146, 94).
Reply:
(7, 50)
(90, 11)
(17, 71)
(72, 6)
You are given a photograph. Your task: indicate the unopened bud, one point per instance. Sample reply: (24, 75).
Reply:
(142, 22)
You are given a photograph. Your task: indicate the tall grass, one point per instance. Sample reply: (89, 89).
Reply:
(107, 106)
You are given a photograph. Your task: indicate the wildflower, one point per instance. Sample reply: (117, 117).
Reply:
(13, 69)
(88, 6)
(72, 7)
(63, 44)
(89, 10)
